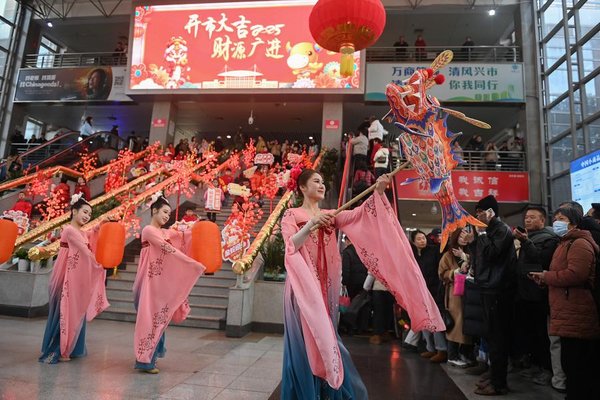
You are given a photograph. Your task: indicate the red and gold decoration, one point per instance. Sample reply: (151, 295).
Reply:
(347, 26)
(206, 245)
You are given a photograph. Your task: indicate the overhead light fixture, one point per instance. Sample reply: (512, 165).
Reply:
(414, 215)
(228, 136)
(310, 138)
(492, 12)
(49, 23)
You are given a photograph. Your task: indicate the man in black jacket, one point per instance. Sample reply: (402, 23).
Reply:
(354, 271)
(493, 262)
(537, 245)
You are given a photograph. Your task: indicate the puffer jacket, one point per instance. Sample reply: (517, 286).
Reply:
(572, 307)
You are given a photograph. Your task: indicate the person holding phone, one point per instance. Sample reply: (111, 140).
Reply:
(537, 245)
(493, 257)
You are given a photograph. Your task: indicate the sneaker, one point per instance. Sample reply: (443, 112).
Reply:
(489, 390)
(428, 354)
(152, 371)
(457, 363)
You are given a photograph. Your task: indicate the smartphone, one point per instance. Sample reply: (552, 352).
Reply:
(521, 229)
(490, 212)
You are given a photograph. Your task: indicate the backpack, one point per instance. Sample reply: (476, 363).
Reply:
(596, 288)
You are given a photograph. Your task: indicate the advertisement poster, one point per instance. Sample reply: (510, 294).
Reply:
(71, 84)
(585, 180)
(229, 46)
(508, 187)
(233, 243)
(470, 82)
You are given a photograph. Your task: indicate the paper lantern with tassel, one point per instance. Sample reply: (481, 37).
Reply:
(111, 245)
(8, 236)
(206, 246)
(346, 26)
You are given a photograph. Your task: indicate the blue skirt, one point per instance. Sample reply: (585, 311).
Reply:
(297, 381)
(51, 342)
(160, 351)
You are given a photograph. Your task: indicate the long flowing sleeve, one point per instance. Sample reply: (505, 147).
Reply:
(385, 251)
(317, 329)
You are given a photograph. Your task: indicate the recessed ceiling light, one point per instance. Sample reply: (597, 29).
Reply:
(228, 136)
(310, 138)
(492, 12)
(414, 215)
(49, 23)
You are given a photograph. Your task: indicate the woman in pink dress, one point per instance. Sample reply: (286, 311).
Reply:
(316, 365)
(76, 289)
(165, 277)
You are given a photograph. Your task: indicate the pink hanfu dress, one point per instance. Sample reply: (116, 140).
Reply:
(164, 279)
(77, 293)
(316, 364)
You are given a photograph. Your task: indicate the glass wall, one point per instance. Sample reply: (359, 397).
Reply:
(569, 33)
(8, 14)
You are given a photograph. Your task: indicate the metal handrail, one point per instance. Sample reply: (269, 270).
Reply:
(36, 147)
(485, 54)
(244, 264)
(74, 59)
(491, 161)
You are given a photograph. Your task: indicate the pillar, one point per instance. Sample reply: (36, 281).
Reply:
(530, 120)
(331, 129)
(162, 126)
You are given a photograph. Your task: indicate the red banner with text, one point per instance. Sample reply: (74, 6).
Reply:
(508, 187)
(234, 45)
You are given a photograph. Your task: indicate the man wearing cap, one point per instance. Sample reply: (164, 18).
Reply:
(493, 262)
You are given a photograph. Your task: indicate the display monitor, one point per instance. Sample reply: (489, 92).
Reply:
(585, 180)
(236, 46)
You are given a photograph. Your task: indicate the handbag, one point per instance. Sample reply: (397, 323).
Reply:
(344, 300)
(448, 320)
(459, 284)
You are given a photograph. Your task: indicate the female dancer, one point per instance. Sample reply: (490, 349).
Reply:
(315, 363)
(76, 288)
(165, 277)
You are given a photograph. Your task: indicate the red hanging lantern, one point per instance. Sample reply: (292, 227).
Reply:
(346, 26)
(8, 236)
(206, 246)
(111, 245)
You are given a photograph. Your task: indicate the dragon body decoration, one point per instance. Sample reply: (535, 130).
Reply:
(427, 142)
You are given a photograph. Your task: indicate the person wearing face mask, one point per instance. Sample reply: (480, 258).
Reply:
(76, 288)
(164, 279)
(573, 314)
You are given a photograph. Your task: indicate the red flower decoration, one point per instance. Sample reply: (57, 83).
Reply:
(293, 181)
(138, 73)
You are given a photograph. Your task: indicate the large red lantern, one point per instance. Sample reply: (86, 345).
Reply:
(8, 236)
(346, 26)
(111, 245)
(206, 246)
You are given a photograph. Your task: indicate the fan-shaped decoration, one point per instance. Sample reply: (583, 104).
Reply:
(346, 26)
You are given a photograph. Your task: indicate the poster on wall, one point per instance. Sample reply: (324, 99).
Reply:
(508, 187)
(258, 45)
(87, 84)
(465, 82)
(585, 180)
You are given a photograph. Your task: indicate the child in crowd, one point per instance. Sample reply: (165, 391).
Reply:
(213, 199)
(190, 216)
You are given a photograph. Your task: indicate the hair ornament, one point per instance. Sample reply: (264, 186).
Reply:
(76, 197)
(292, 183)
(157, 195)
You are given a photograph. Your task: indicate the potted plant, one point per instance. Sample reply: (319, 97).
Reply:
(273, 252)
(23, 257)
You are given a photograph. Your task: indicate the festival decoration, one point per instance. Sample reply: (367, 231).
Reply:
(110, 245)
(427, 142)
(238, 229)
(117, 173)
(206, 246)
(86, 164)
(347, 26)
(40, 184)
(8, 236)
(235, 189)
(248, 154)
(20, 218)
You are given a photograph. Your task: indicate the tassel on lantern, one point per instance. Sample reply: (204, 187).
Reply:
(347, 61)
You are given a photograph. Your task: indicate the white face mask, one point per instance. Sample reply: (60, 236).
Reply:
(560, 228)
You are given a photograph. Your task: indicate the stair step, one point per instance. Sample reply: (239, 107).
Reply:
(125, 275)
(208, 299)
(116, 314)
(200, 288)
(197, 310)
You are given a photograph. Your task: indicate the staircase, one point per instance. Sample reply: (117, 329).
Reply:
(209, 297)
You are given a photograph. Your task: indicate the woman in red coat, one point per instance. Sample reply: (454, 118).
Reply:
(23, 205)
(82, 187)
(63, 192)
(573, 314)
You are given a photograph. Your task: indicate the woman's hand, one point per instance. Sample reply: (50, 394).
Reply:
(320, 220)
(537, 277)
(382, 183)
(458, 253)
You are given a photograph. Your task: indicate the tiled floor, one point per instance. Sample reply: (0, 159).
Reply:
(204, 364)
